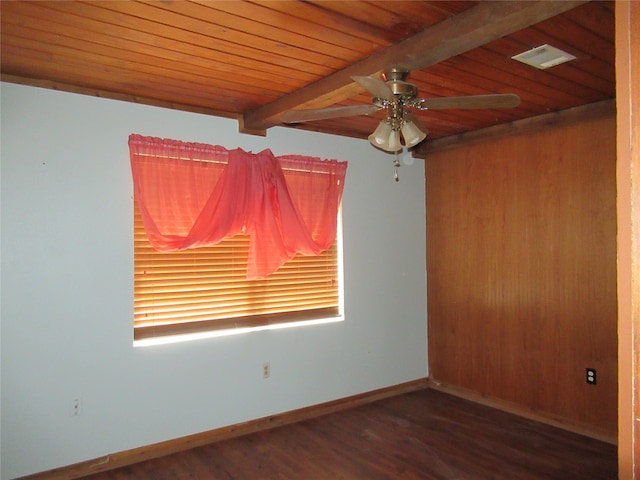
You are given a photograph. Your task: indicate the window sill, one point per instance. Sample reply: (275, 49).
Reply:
(163, 340)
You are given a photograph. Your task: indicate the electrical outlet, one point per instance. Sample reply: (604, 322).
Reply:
(266, 370)
(591, 376)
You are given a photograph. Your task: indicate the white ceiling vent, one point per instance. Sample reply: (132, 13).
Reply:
(544, 56)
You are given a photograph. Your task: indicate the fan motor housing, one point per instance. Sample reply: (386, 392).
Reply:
(403, 89)
(396, 78)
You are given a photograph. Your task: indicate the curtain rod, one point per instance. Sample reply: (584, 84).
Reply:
(206, 160)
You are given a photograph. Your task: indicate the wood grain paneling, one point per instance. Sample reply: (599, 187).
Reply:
(521, 268)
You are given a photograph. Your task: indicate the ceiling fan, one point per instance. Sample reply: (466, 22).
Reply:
(397, 96)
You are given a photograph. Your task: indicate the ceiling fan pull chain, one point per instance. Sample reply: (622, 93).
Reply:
(396, 164)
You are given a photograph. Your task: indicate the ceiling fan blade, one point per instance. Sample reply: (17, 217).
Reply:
(376, 87)
(507, 100)
(297, 116)
(411, 117)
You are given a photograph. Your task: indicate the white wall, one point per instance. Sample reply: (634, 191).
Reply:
(67, 289)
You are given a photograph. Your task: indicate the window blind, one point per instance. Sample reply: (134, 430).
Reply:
(206, 288)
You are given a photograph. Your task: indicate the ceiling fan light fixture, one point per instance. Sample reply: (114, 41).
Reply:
(412, 134)
(380, 135)
(386, 137)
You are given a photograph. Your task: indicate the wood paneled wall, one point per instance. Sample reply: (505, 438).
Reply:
(521, 271)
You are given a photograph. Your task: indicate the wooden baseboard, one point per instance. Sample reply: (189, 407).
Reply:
(129, 457)
(521, 411)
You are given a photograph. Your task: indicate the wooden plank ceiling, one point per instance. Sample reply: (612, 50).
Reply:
(254, 60)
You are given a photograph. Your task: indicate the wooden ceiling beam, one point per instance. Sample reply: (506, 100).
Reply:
(470, 29)
(539, 123)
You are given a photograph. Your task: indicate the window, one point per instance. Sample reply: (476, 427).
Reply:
(229, 240)
(206, 289)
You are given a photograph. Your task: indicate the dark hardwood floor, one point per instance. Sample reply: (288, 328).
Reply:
(421, 435)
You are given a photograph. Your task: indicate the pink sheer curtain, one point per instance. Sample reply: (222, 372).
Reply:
(192, 194)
